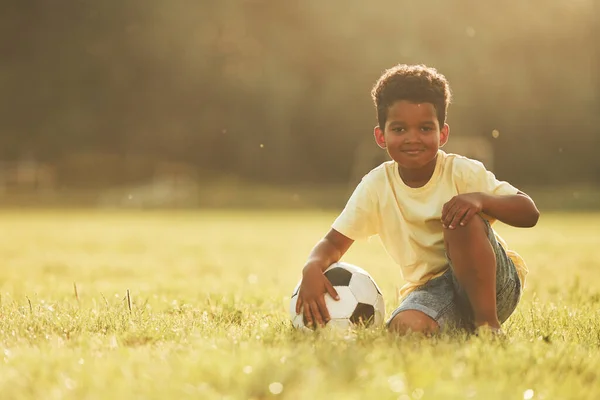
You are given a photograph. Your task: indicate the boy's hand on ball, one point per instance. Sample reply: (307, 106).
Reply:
(311, 297)
(460, 209)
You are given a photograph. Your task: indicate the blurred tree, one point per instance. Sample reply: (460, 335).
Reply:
(279, 91)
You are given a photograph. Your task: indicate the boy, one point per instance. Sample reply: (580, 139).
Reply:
(433, 212)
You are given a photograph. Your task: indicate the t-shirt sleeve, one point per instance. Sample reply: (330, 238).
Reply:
(476, 178)
(358, 220)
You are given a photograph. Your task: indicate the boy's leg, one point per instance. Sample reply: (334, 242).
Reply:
(429, 308)
(443, 302)
(413, 321)
(474, 266)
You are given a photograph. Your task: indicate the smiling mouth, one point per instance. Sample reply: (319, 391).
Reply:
(412, 152)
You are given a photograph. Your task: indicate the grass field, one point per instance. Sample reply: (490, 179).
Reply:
(206, 316)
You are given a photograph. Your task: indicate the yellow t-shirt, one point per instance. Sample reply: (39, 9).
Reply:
(408, 220)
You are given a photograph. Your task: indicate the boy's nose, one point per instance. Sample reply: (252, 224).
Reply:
(411, 136)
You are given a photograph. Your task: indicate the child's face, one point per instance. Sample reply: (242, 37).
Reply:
(412, 134)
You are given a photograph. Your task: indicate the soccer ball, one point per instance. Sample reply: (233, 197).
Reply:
(360, 303)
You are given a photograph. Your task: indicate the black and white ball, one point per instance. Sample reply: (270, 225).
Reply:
(360, 303)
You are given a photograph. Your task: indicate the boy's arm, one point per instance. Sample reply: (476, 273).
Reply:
(481, 192)
(311, 301)
(328, 250)
(517, 210)
(357, 220)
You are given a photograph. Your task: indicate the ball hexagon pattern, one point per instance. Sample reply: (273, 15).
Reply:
(361, 301)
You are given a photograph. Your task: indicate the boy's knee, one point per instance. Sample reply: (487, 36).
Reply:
(413, 321)
(476, 227)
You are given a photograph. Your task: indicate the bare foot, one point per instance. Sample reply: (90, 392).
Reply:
(487, 330)
(491, 322)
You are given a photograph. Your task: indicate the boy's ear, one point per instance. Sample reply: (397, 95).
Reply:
(444, 133)
(379, 137)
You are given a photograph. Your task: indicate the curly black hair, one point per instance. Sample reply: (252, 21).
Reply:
(413, 83)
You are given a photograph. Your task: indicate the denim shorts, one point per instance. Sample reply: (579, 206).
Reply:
(445, 301)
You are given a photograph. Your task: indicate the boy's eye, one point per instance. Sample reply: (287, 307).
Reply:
(426, 128)
(398, 129)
